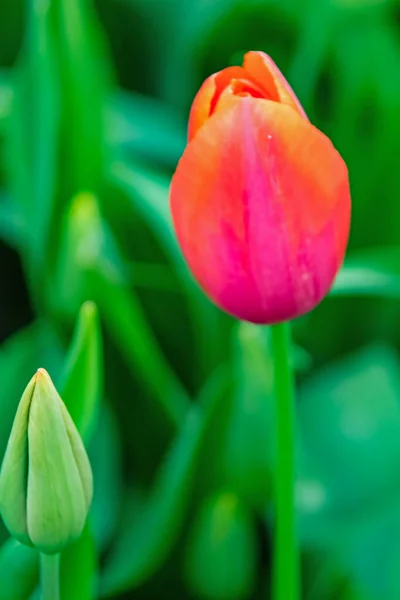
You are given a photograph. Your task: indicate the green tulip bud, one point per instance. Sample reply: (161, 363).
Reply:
(221, 559)
(46, 483)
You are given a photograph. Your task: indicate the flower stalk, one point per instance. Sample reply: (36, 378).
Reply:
(50, 576)
(286, 576)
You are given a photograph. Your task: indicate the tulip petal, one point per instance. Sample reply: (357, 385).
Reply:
(234, 80)
(56, 506)
(201, 107)
(260, 202)
(14, 471)
(264, 71)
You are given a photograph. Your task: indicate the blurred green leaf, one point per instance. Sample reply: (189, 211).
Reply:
(145, 128)
(148, 191)
(85, 85)
(81, 385)
(56, 143)
(144, 545)
(128, 328)
(33, 142)
(221, 555)
(367, 281)
(85, 244)
(19, 570)
(372, 272)
(349, 492)
(6, 98)
(364, 59)
(323, 578)
(11, 225)
(91, 268)
(315, 35)
(351, 411)
(20, 356)
(154, 277)
(105, 457)
(190, 26)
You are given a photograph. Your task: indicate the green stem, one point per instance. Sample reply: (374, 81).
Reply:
(50, 576)
(286, 580)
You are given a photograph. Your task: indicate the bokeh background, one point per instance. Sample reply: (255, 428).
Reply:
(179, 416)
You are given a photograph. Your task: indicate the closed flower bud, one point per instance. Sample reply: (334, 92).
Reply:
(260, 199)
(221, 559)
(46, 481)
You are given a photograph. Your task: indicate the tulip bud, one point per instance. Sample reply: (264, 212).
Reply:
(46, 481)
(260, 199)
(221, 557)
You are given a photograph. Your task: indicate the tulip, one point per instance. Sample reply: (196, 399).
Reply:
(46, 480)
(260, 199)
(221, 560)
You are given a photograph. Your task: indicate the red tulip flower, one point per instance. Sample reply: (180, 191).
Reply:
(260, 199)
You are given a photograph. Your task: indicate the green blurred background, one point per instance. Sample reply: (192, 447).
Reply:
(173, 397)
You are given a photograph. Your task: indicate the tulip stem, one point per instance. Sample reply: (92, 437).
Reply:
(286, 576)
(50, 576)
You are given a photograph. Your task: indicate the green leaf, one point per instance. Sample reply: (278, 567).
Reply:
(370, 103)
(11, 223)
(105, 457)
(19, 570)
(371, 272)
(367, 281)
(315, 33)
(85, 244)
(81, 386)
(221, 554)
(349, 491)
(91, 268)
(324, 578)
(6, 98)
(154, 277)
(146, 128)
(33, 141)
(125, 320)
(148, 193)
(86, 74)
(57, 143)
(145, 543)
(350, 411)
(191, 24)
(20, 356)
